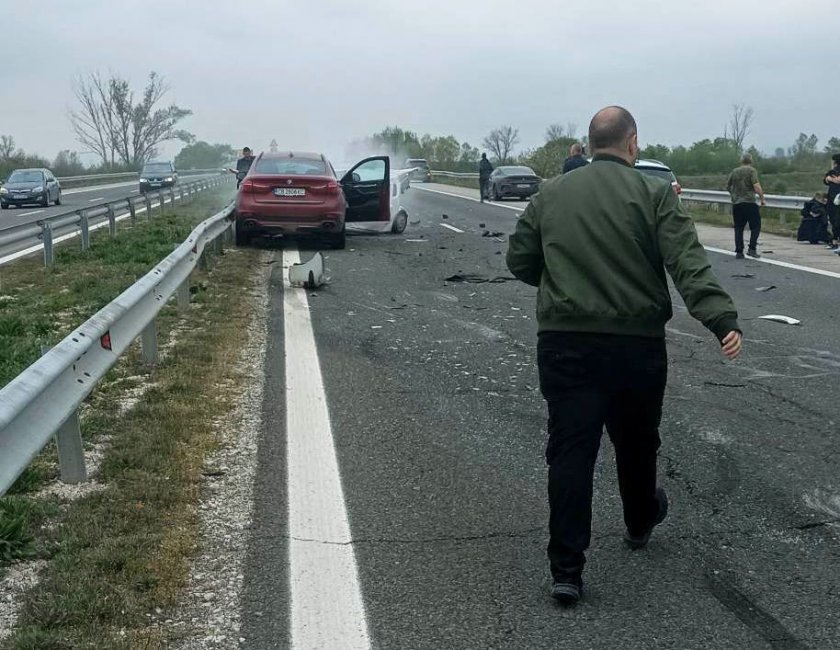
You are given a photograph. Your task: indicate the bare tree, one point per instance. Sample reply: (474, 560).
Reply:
(739, 125)
(554, 132)
(571, 130)
(112, 123)
(7, 147)
(501, 142)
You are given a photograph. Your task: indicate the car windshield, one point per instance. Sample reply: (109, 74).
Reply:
(292, 167)
(658, 173)
(26, 177)
(517, 171)
(157, 168)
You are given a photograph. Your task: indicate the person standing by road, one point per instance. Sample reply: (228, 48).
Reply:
(484, 171)
(243, 165)
(832, 179)
(575, 158)
(743, 185)
(597, 244)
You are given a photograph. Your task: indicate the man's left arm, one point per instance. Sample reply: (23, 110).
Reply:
(525, 254)
(686, 261)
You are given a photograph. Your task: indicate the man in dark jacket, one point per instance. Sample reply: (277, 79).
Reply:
(832, 179)
(243, 165)
(575, 158)
(484, 171)
(597, 244)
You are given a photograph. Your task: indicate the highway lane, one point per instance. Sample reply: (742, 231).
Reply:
(73, 199)
(439, 431)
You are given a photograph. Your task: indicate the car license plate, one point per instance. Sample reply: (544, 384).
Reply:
(155, 184)
(523, 186)
(289, 191)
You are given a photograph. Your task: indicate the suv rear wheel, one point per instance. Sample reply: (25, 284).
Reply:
(339, 241)
(242, 238)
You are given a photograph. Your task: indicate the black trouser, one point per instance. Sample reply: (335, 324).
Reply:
(833, 217)
(743, 214)
(590, 381)
(482, 186)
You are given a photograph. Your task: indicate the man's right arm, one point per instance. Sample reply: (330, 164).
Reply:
(757, 186)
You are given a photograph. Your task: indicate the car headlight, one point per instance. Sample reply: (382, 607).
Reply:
(169, 179)
(3, 190)
(144, 180)
(37, 190)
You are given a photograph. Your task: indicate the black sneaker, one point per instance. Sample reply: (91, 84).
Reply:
(567, 590)
(739, 256)
(636, 542)
(753, 253)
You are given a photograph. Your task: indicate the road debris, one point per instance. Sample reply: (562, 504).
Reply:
(770, 288)
(492, 233)
(478, 279)
(445, 216)
(309, 275)
(417, 241)
(776, 318)
(722, 385)
(743, 275)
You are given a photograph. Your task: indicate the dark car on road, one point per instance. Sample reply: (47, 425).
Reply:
(422, 171)
(30, 186)
(156, 175)
(297, 194)
(513, 180)
(659, 170)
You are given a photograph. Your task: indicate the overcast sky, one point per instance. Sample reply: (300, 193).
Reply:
(317, 75)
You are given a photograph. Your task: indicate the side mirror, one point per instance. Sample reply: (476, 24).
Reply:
(356, 178)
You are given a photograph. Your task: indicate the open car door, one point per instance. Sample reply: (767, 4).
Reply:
(367, 190)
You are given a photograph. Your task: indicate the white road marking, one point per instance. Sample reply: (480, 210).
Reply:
(711, 249)
(100, 198)
(327, 610)
(787, 265)
(29, 214)
(452, 228)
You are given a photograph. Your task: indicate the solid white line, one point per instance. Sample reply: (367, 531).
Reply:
(100, 198)
(469, 198)
(452, 228)
(787, 265)
(327, 610)
(711, 249)
(28, 214)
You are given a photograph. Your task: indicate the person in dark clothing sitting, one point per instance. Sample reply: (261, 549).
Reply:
(814, 225)
(575, 158)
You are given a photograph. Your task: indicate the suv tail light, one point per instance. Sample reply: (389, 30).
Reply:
(252, 187)
(332, 188)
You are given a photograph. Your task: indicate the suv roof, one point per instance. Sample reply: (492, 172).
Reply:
(307, 155)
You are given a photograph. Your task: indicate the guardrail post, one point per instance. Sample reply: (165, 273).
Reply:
(71, 455)
(149, 344)
(172, 197)
(132, 211)
(46, 235)
(162, 202)
(183, 295)
(84, 229)
(219, 246)
(112, 220)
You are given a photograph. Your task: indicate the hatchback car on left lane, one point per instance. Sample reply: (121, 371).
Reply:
(30, 186)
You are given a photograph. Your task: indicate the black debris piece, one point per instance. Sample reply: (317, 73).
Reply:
(721, 385)
(479, 279)
(770, 288)
(743, 275)
(482, 225)
(445, 216)
(492, 233)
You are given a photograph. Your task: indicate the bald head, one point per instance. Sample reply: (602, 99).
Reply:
(612, 128)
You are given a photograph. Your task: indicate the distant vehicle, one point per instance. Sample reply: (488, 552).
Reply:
(33, 186)
(156, 175)
(513, 180)
(659, 170)
(296, 194)
(422, 172)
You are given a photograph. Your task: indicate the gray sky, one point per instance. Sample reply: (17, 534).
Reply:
(317, 75)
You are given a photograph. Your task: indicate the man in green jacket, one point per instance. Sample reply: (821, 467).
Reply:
(597, 244)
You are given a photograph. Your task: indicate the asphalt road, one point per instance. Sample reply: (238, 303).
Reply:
(73, 199)
(438, 427)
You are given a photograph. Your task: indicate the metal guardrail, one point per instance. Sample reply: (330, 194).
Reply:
(46, 232)
(701, 196)
(127, 175)
(43, 400)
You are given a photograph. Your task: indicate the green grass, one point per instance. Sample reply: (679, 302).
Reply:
(789, 183)
(120, 553)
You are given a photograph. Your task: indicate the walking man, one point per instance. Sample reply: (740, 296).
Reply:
(575, 158)
(243, 165)
(832, 179)
(743, 185)
(484, 171)
(597, 244)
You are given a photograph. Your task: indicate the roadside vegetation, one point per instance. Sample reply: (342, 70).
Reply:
(119, 548)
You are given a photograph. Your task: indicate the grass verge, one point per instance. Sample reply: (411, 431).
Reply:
(120, 555)
(40, 306)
